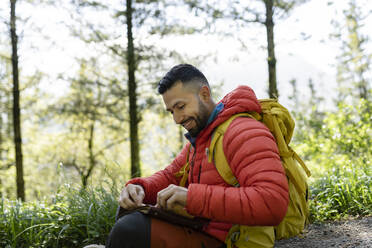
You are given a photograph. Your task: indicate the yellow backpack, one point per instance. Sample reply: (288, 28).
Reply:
(281, 125)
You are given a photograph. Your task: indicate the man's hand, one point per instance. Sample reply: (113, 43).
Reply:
(131, 196)
(173, 198)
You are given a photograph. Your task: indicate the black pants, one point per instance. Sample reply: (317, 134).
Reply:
(131, 231)
(136, 230)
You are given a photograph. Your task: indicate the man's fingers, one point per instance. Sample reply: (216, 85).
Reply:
(171, 201)
(124, 193)
(164, 195)
(122, 197)
(132, 193)
(173, 198)
(124, 200)
(159, 200)
(136, 193)
(140, 195)
(129, 198)
(127, 203)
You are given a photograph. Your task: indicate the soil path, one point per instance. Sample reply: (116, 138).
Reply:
(349, 233)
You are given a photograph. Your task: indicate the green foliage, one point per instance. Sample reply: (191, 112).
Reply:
(343, 141)
(71, 218)
(340, 194)
(339, 156)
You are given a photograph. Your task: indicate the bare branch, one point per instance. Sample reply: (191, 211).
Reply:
(74, 165)
(100, 152)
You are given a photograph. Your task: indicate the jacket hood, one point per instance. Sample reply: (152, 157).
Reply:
(242, 99)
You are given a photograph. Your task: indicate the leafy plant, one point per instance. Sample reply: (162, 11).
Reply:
(72, 218)
(339, 156)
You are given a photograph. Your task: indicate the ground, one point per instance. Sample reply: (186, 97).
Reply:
(347, 233)
(354, 233)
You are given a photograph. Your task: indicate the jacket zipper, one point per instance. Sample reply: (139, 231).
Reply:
(199, 173)
(192, 165)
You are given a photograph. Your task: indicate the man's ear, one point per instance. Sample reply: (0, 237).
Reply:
(205, 93)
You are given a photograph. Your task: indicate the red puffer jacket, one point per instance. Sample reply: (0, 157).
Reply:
(252, 153)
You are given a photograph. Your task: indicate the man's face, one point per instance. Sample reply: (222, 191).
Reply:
(187, 108)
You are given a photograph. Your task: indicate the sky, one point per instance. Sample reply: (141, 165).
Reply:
(303, 50)
(297, 58)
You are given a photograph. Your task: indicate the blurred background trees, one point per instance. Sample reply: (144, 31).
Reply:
(90, 117)
(242, 15)
(102, 119)
(335, 141)
(85, 122)
(353, 74)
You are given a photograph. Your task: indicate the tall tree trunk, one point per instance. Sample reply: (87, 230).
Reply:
(133, 115)
(271, 60)
(363, 92)
(16, 108)
(92, 159)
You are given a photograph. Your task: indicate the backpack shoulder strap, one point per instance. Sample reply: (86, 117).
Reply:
(184, 171)
(217, 154)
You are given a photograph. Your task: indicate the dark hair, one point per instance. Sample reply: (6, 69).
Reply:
(183, 72)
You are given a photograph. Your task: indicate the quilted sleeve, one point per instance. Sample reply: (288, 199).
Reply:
(161, 179)
(262, 198)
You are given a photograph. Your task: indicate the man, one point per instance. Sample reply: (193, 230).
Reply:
(261, 198)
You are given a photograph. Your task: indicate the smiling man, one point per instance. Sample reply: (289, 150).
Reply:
(250, 149)
(189, 103)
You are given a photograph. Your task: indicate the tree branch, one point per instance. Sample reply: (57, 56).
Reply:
(100, 152)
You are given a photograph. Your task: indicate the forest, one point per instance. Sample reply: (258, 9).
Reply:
(80, 114)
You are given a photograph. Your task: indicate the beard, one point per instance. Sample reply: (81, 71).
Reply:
(200, 120)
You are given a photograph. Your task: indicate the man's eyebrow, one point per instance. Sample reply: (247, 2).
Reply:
(174, 105)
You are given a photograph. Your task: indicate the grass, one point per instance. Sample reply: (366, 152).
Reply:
(77, 217)
(340, 195)
(72, 218)
(337, 150)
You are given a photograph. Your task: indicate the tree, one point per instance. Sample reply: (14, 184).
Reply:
(242, 13)
(16, 105)
(143, 61)
(132, 93)
(355, 60)
(273, 9)
(145, 12)
(10, 65)
(91, 112)
(271, 60)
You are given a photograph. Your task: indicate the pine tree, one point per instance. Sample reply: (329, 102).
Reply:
(354, 61)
